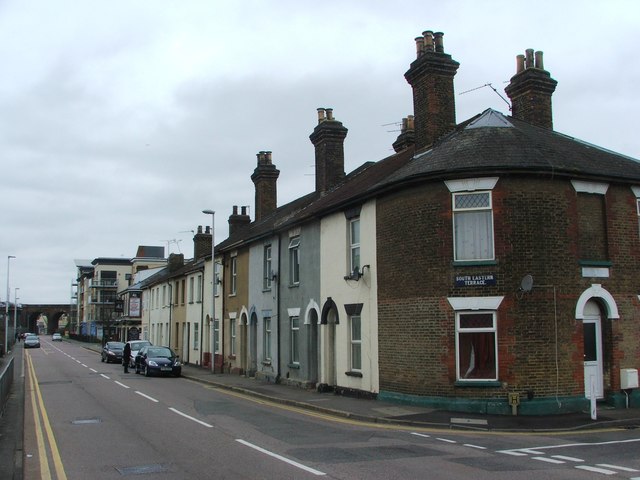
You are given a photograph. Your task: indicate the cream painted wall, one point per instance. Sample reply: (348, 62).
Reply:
(334, 255)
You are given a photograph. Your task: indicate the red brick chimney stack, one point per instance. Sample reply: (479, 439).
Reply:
(265, 178)
(237, 221)
(530, 90)
(202, 243)
(328, 140)
(431, 77)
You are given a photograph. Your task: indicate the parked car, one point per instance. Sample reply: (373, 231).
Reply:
(136, 345)
(112, 352)
(160, 360)
(32, 341)
(56, 337)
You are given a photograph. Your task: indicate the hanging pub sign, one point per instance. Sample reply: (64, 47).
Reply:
(475, 280)
(134, 305)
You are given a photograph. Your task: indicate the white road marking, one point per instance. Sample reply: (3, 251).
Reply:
(146, 396)
(85, 366)
(446, 440)
(596, 470)
(280, 457)
(190, 417)
(93, 370)
(617, 467)
(515, 453)
(104, 376)
(474, 446)
(568, 459)
(420, 434)
(122, 384)
(549, 460)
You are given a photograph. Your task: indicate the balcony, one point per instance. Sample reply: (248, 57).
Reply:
(104, 283)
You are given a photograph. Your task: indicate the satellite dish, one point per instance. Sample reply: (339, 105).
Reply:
(527, 283)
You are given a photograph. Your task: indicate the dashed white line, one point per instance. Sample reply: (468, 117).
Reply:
(190, 417)
(446, 440)
(85, 366)
(515, 453)
(568, 459)
(122, 384)
(420, 434)
(596, 469)
(549, 460)
(146, 396)
(104, 376)
(93, 370)
(280, 457)
(617, 467)
(474, 446)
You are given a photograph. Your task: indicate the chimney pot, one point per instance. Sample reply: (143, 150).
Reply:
(428, 40)
(539, 61)
(519, 63)
(268, 156)
(207, 230)
(438, 41)
(199, 228)
(320, 115)
(235, 209)
(329, 113)
(529, 58)
(419, 46)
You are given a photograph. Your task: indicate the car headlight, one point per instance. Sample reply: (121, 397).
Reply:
(177, 363)
(152, 363)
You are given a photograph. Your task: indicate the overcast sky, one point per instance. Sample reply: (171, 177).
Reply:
(120, 121)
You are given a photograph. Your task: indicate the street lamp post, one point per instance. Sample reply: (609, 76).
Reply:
(6, 308)
(15, 310)
(213, 283)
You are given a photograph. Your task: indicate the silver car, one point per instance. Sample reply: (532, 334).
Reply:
(136, 345)
(32, 341)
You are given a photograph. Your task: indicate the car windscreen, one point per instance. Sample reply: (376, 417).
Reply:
(139, 345)
(115, 346)
(159, 353)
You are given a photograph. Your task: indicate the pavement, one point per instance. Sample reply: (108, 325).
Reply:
(366, 410)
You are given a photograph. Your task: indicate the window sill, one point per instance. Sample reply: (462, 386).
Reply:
(294, 285)
(231, 357)
(294, 366)
(474, 263)
(266, 363)
(265, 290)
(353, 374)
(478, 383)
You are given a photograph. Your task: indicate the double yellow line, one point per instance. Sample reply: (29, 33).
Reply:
(41, 419)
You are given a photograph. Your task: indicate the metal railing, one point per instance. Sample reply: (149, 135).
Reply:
(6, 381)
(103, 283)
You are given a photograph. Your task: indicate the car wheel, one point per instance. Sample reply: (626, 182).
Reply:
(102, 358)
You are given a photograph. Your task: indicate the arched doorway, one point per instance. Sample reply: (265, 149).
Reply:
(253, 348)
(592, 339)
(329, 320)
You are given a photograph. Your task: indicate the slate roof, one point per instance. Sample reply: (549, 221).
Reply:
(493, 142)
(489, 143)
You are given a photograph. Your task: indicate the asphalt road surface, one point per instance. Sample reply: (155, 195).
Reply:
(89, 420)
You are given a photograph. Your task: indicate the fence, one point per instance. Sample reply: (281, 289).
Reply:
(6, 381)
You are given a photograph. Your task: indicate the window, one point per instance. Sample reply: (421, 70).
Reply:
(183, 291)
(191, 283)
(355, 339)
(164, 295)
(266, 269)
(295, 335)
(234, 275)
(199, 289)
(216, 336)
(294, 261)
(196, 336)
(176, 294)
(476, 346)
(473, 226)
(354, 244)
(232, 335)
(218, 270)
(267, 338)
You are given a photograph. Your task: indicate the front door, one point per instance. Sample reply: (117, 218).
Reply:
(592, 351)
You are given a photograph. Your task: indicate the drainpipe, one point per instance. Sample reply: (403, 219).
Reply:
(202, 319)
(278, 305)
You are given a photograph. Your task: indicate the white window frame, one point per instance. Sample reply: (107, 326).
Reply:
(295, 339)
(191, 289)
(199, 289)
(266, 268)
(266, 321)
(196, 336)
(463, 376)
(234, 276)
(216, 336)
(354, 245)
(458, 212)
(294, 260)
(355, 344)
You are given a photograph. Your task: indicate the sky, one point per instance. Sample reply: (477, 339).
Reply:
(121, 120)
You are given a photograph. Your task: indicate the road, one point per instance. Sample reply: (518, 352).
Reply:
(89, 420)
